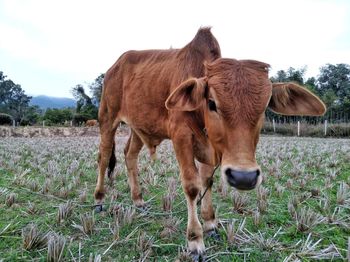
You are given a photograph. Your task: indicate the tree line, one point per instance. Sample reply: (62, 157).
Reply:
(332, 85)
(15, 105)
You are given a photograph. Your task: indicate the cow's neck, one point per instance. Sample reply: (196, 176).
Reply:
(195, 122)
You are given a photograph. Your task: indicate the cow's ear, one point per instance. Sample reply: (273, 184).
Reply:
(292, 99)
(188, 96)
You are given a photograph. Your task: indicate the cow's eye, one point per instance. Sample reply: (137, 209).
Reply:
(211, 105)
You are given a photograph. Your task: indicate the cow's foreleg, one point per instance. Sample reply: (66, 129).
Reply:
(191, 184)
(207, 210)
(131, 152)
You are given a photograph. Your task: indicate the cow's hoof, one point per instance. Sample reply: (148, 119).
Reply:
(99, 208)
(196, 247)
(214, 234)
(144, 208)
(198, 257)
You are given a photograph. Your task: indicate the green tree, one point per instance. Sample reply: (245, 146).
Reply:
(31, 116)
(96, 89)
(57, 116)
(13, 99)
(292, 75)
(85, 106)
(335, 78)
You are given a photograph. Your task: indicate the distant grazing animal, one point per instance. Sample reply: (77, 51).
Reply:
(91, 122)
(211, 108)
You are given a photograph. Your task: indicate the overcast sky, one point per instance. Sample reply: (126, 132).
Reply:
(50, 46)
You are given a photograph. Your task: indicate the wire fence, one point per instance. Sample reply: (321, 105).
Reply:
(327, 128)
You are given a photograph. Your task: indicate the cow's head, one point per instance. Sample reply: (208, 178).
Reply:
(233, 98)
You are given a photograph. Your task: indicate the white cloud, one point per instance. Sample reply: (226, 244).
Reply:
(79, 39)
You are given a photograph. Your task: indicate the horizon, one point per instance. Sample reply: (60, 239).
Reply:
(49, 50)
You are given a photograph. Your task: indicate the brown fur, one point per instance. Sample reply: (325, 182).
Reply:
(164, 94)
(91, 122)
(246, 88)
(135, 90)
(284, 96)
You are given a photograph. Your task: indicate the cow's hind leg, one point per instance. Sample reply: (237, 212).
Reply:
(106, 159)
(131, 152)
(207, 210)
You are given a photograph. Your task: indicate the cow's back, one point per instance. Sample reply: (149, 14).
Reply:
(138, 84)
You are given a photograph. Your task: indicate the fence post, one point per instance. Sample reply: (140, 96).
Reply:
(274, 125)
(13, 123)
(298, 128)
(44, 123)
(71, 123)
(325, 127)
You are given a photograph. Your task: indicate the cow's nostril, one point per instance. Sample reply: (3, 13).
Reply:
(228, 171)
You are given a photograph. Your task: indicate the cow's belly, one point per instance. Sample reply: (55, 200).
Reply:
(152, 133)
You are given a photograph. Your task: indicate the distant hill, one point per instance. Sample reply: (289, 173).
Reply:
(52, 102)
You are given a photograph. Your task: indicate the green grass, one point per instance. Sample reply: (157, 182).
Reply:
(68, 166)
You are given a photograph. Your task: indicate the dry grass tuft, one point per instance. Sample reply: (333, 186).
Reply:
(343, 193)
(184, 256)
(115, 229)
(348, 251)
(279, 189)
(76, 181)
(46, 186)
(150, 177)
(304, 196)
(256, 218)
(114, 195)
(315, 192)
(82, 196)
(237, 236)
(171, 226)
(223, 188)
(240, 201)
(94, 258)
(293, 203)
(124, 216)
(172, 186)
(308, 249)
(19, 179)
(55, 247)
(32, 209)
(32, 238)
(87, 221)
(302, 183)
(33, 184)
(262, 205)
(63, 192)
(289, 183)
(167, 202)
(266, 243)
(144, 245)
(64, 211)
(10, 199)
(307, 219)
(3, 191)
(262, 193)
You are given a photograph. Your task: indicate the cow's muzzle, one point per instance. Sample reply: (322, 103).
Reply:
(243, 180)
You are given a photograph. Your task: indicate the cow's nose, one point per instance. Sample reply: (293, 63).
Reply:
(243, 180)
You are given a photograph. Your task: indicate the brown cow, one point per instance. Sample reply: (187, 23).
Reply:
(212, 114)
(91, 122)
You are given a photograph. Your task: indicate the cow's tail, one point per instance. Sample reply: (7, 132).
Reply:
(112, 162)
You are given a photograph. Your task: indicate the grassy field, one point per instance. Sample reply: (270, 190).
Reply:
(301, 213)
